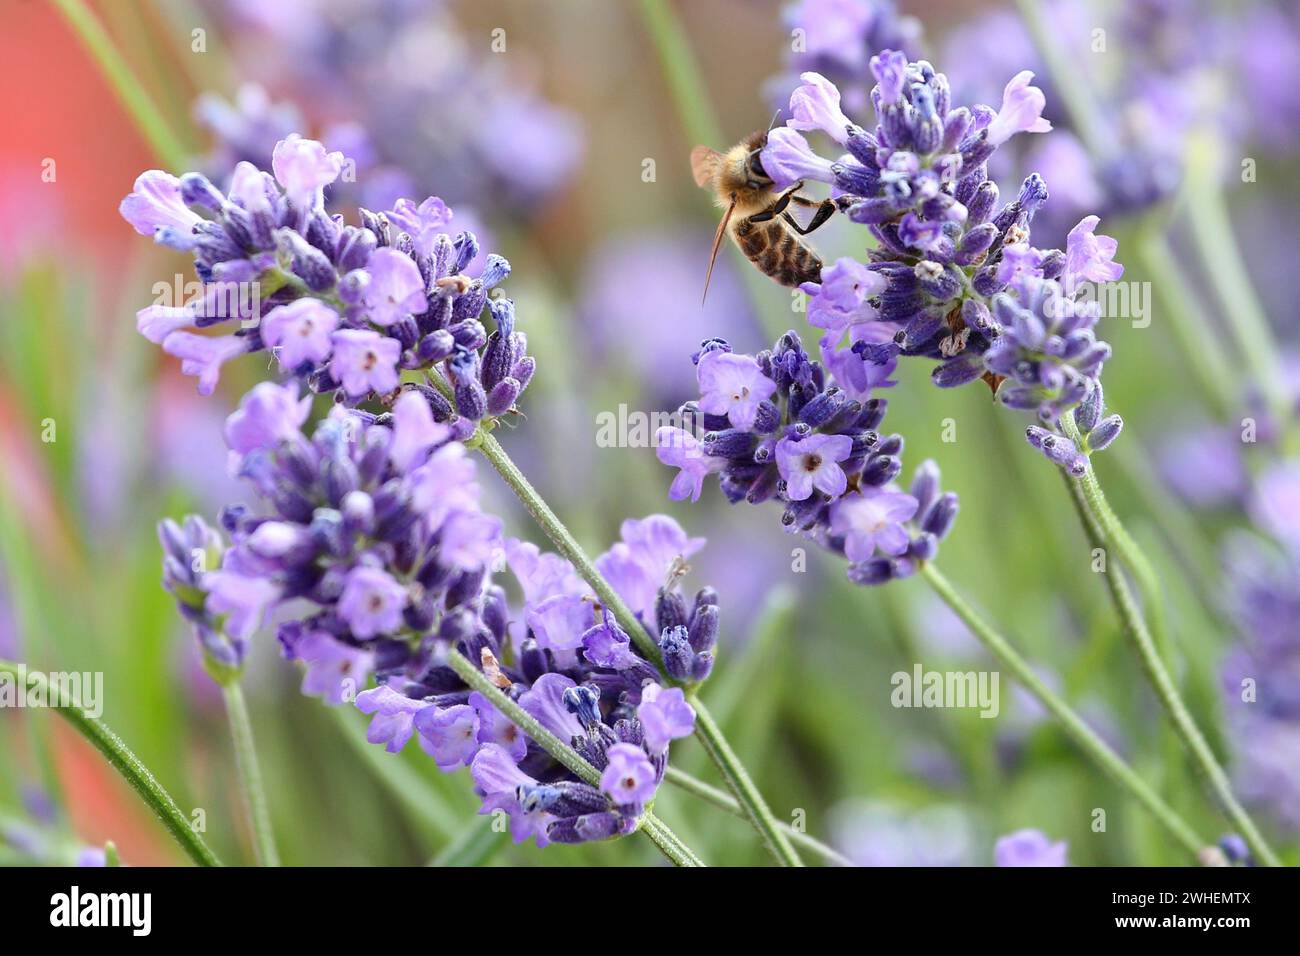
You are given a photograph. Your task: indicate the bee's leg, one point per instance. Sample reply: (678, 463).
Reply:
(825, 209)
(779, 204)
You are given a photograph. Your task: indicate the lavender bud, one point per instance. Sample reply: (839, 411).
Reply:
(881, 470)
(703, 631)
(358, 510)
(469, 334)
(670, 610)
(1107, 431)
(435, 347)
(701, 667)
(679, 658)
(766, 418)
(873, 572)
(523, 371)
(981, 205)
(729, 443)
(471, 401)
(1088, 413)
(923, 547)
(925, 485)
(958, 371)
(196, 190)
(939, 518)
(583, 701)
(502, 397)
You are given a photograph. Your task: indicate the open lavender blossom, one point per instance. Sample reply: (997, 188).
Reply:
(780, 426)
(342, 308)
(373, 543)
(953, 276)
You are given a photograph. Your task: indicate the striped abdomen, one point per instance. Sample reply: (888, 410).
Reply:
(778, 252)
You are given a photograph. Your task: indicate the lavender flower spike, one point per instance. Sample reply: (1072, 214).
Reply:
(343, 307)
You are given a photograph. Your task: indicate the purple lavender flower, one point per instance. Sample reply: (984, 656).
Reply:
(299, 333)
(638, 565)
(155, 205)
(1259, 675)
(732, 385)
(1029, 848)
(372, 603)
(347, 307)
(364, 361)
(393, 716)
(840, 300)
(954, 277)
(872, 518)
(495, 142)
(423, 223)
(813, 463)
(450, 735)
(665, 716)
(678, 448)
(816, 105)
(876, 833)
(1089, 257)
(1021, 112)
(395, 290)
(788, 159)
(371, 537)
(629, 778)
(332, 670)
(813, 446)
(1275, 505)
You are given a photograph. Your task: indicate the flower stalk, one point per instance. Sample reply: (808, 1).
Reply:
(1098, 521)
(125, 762)
(250, 775)
(141, 108)
(724, 801)
(1087, 740)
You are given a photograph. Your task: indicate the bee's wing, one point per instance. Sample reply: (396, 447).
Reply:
(717, 242)
(704, 163)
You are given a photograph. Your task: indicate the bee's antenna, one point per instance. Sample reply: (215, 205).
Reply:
(773, 123)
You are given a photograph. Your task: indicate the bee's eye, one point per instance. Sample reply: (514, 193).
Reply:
(755, 165)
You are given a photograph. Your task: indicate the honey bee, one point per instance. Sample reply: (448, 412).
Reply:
(757, 216)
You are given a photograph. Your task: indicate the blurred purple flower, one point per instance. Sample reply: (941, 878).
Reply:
(1029, 848)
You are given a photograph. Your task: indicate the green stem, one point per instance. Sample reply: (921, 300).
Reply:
(1130, 554)
(425, 805)
(125, 762)
(691, 102)
(1067, 79)
(725, 801)
(669, 843)
(681, 71)
(742, 785)
(1073, 724)
(654, 828)
(568, 546)
(250, 775)
(148, 119)
(1225, 270)
(1097, 520)
(715, 744)
(1186, 318)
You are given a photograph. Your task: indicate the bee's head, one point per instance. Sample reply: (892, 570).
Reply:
(756, 175)
(743, 171)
